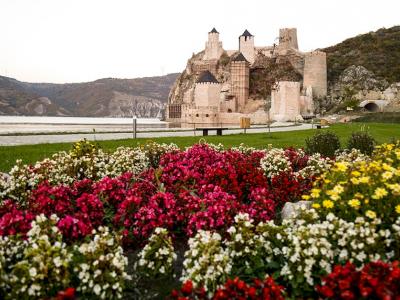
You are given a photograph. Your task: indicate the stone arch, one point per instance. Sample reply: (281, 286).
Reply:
(372, 107)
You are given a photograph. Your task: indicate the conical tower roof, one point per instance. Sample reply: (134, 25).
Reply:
(206, 76)
(239, 57)
(246, 33)
(213, 30)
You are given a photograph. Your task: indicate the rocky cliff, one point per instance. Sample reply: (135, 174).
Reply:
(109, 97)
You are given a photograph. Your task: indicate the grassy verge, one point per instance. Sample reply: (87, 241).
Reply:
(32, 153)
(383, 117)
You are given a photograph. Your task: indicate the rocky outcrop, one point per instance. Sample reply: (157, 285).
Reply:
(359, 78)
(357, 84)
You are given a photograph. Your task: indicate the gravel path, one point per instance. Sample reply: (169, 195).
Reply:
(63, 138)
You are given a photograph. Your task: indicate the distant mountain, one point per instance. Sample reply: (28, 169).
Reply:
(108, 97)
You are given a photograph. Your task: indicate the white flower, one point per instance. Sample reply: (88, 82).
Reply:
(32, 272)
(97, 289)
(57, 261)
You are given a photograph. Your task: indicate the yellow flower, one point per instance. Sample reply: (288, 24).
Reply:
(355, 173)
(355, 203)
(398, 208)
(359, 195)
(366, 201)
(370, 214)
(327, 181)
(338, 189)
(364, 179)
(387, 175)
(334, 197)
(316, 205)
(354, 181)
(379, 193)
(305, 197)
(341, 166)
(395, 188)
(375, 166)
(397, 153)
(327, 203)
(315, 193)
(387, 167)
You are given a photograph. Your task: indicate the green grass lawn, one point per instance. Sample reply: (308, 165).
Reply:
(32, 153)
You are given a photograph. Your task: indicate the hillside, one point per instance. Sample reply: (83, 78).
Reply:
(378, 52)
(104, 97)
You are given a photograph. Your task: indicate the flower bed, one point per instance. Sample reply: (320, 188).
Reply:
(89, 209)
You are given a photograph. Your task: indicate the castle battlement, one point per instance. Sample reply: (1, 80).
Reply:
(315, 53)
(206, 83)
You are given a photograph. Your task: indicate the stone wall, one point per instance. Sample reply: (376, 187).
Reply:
(199, 67)
(267, 51)
(207, 94)
(258, 117)
(315, 74)
(229, 105)
(200, 115)
(285, 101)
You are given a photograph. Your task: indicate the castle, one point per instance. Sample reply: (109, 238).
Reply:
(215, 86)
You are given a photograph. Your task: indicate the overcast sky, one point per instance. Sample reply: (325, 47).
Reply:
(83, 40)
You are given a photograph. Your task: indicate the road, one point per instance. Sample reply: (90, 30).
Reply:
(66, 138)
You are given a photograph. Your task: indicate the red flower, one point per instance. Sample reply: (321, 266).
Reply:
(376, 280)
(68, 294)
(13, 220)
(187, 288)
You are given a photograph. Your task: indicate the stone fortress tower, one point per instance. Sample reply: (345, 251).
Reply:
(213, 48)
(240, 69)
(288, 39)
(215, 86)
(315, 74)
(246, 46)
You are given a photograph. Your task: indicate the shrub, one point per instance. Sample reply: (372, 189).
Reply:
(325, 143)
(362, 141)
